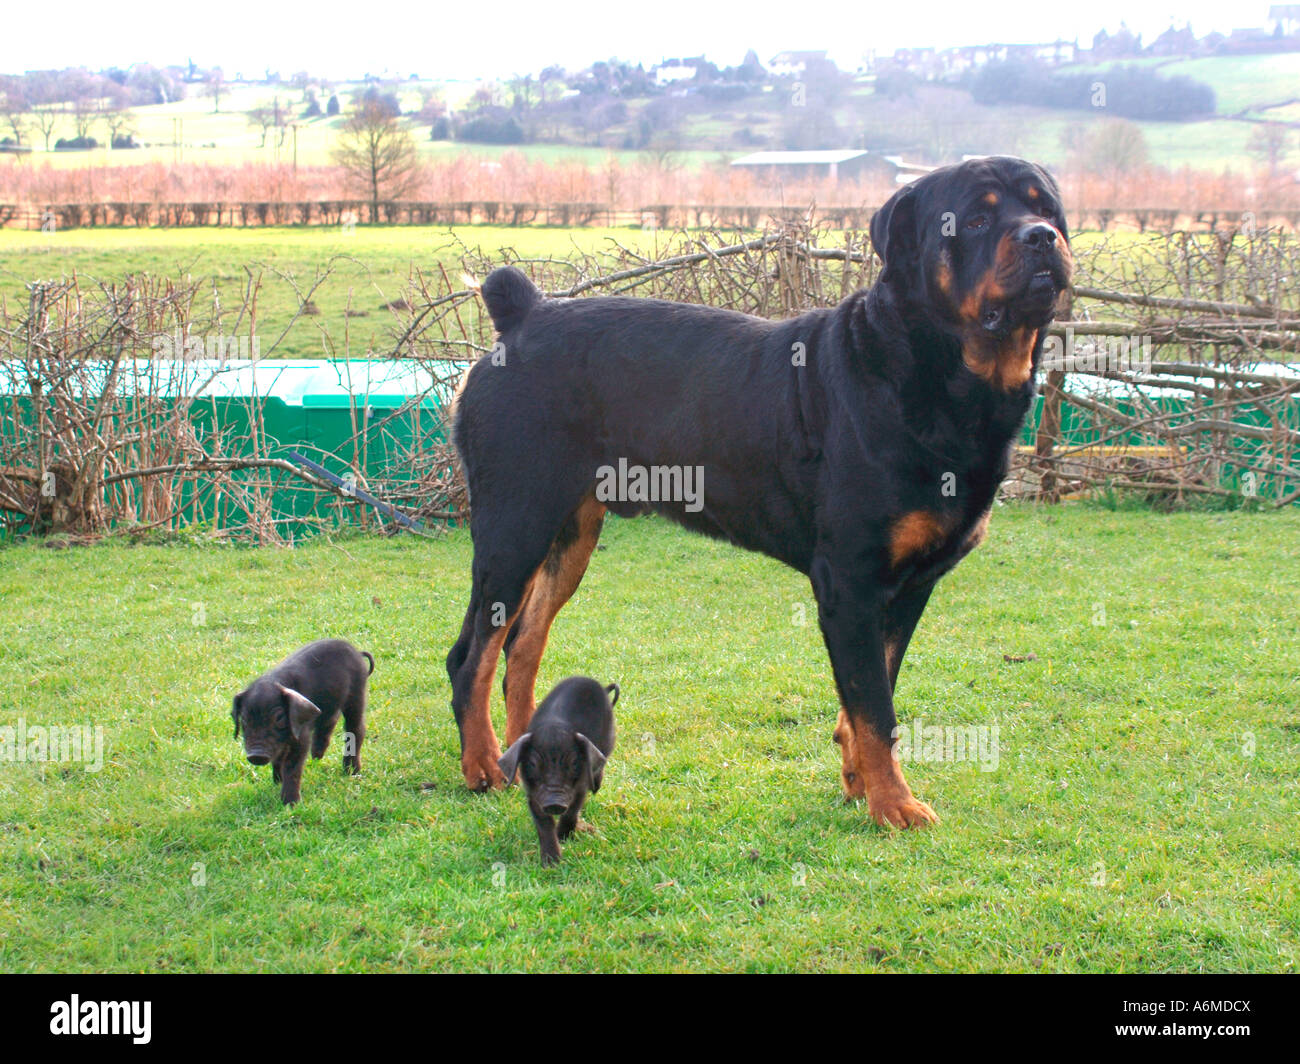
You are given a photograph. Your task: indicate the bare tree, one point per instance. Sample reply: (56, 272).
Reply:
(269, 117)
(378, 154)
(262, 119)
(120, 123)
(1270, 144)
(214, 85)
(46, 120)
(13, 111)
(85, 112)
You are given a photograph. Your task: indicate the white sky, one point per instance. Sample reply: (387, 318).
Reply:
(464, 39)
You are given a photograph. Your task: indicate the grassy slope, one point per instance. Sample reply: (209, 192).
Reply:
(1241, 83)
(1124, 828)
(373, 265)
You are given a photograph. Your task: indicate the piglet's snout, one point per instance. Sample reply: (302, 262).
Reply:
(553, 802)
(258, 759)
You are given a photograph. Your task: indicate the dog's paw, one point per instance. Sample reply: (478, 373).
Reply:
(901, 811)
(482, 773)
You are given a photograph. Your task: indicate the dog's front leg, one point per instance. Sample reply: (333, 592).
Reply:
(853, 625)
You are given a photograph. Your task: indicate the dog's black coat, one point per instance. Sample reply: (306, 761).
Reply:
(562, 756)
(817, 436)
(293, 708)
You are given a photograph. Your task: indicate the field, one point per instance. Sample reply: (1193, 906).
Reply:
(372, 266)
(1142, 815)
(1246, 87)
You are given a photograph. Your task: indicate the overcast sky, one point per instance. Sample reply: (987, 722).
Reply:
(497, 38)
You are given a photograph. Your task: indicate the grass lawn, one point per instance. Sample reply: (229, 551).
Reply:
(372, 266)
(1143, 814)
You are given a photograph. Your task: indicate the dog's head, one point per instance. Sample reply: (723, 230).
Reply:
(982, 250)
(272, 717)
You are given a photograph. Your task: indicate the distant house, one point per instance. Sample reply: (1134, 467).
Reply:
(1287, 16)
(835, 164)
(1249, 35)
(793, 64)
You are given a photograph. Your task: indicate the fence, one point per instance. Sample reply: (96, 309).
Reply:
(61, 216)
(1171, 374)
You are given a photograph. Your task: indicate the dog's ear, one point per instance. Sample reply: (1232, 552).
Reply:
(303, 712)
(612, 691)
(509, 761)
(893, 232)
(234, 712)
(595, 762)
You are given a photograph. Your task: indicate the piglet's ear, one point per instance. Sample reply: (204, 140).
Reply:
(303, 712)
(595, 762)
(509, 761)
(234, 712)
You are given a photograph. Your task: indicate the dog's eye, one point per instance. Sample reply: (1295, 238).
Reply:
(977, 221)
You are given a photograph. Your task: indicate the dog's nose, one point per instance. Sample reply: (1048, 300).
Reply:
(1038, 235)
(258, 759)
(554, 809)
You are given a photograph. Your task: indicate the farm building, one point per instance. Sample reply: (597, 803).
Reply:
(847, 163)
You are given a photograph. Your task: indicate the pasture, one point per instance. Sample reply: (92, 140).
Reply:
(368, 267)
(1142, 815)
(1246, 87)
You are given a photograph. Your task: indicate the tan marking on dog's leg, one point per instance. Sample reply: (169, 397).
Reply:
(871, 770)
(480, 750)
(553, 587)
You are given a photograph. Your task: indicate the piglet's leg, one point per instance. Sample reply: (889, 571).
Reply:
(546, 837)
(571, 818)
(354, 724)
(291, 786)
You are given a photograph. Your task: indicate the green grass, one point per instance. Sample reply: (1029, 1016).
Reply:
(372, 266)
(1126, 827)
(1242, 84)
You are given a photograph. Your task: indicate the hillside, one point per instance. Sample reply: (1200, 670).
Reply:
(929, 122)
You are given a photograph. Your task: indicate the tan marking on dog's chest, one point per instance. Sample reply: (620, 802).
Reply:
(1005, 364)
(916, 532)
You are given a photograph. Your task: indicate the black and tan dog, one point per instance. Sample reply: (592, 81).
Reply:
(862, 445)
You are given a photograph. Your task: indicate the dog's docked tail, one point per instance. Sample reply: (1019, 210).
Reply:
(509, 296)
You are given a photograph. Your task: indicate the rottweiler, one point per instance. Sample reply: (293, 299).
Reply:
(861, 444)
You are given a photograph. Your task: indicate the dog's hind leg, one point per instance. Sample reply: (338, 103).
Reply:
(510, 546)
(556, 581)
(498, 604)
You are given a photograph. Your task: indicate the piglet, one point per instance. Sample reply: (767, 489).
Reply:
(562, 756)
(294, 707)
